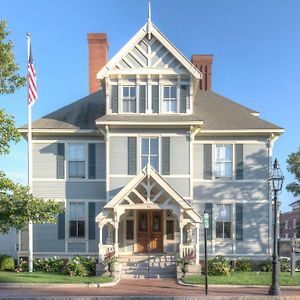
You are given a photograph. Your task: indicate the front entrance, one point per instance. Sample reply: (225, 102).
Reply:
(149, 231)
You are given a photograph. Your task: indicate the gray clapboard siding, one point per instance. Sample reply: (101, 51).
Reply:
(44, 160)
(117, 183)
(198, 161)
(100, 161)
(76, 247)
(165, 155)
(45, 238)
(179, 155)
(231, 190)
(8, 242)
(76, 190)
(255, 161)
(118, 155)
(180, 185)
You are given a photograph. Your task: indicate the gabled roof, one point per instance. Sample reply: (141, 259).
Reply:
(143, 32)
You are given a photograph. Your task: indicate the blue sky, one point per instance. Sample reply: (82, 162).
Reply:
(256, 48)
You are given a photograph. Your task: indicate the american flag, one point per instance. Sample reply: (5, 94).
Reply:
(32, 92)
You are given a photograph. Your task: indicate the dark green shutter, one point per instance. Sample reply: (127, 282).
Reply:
(92, 161)
(114, 98)
(155, 98)
(239, 161)
(239, 221)
(131, 155)
(92, 222)
(183, 98)
(61, 226)
(142, 98)
(165, 151)
(207, 161)
(208, 209)
(60, 161)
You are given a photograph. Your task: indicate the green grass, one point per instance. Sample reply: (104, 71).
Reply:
(245, 278)
(39, 277)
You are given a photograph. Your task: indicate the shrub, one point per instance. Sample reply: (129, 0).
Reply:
(284, 265)
(218, 266)
(298, 264)
(7, 263)
(265, 266)
(23, 266)
(51, 264)
(244, 264)
(81, 266)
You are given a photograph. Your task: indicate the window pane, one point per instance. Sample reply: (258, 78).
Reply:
(80, 169)
(227, 230)
(173, 106)
(129, 229)
(76, 152)
(170, 230)
(173, 92)
(80, 211)
(166, 92)
(228, 169)
(81, 228)
(144, 161)
(166, 105)
(218, 152)
(132, 106)
(218, 169)
(125, 91)
(125, 105)
(73, 211)
(145, 146)
(156, 222)
(73, 228)
(219, 230)
(228, 152)
(154, 146)
(132, 91)
(226, 214)
(143, 221)
(154, 162)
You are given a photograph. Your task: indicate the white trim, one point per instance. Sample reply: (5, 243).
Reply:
(54, 130)
(65, 140)
(231, 180)
(280, 130)
(69, 180)
(229, 141)
(174, 134)
(177, 123)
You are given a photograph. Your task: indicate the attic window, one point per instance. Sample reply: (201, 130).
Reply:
(169, 99)
(129, 99)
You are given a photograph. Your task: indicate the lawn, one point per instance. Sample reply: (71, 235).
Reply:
(39, 277)
(246, 278)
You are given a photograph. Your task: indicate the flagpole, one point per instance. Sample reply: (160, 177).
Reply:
(29, 143)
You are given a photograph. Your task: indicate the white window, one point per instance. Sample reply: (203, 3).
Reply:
(76, 161)
(294, 223)
(129, 99)
(76, 220)
(149, 152)
(223, 160)
(170, 99)
(223, 221)
(286, 224)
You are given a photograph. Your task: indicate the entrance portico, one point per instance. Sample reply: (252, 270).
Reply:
(148, 215)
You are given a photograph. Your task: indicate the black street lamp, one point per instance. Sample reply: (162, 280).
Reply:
(276, 181)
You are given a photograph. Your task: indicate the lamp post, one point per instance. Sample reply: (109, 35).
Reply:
(276, 181)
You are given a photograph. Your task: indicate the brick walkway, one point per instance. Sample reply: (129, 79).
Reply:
(152, 288)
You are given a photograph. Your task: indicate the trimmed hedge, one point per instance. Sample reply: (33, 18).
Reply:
(7, 263)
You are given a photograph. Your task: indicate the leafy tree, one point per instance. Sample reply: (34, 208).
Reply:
(10, 80)
(17, 205)
(293, 162)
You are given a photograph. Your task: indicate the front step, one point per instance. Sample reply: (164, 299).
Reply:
(142, 266)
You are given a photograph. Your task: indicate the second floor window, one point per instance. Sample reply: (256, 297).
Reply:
(129, 99)
(223, 221)
(76, 161)
(149, 152)
(170, 99)
(77, 220)
(223, 161)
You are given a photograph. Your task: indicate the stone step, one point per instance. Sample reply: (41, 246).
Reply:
(145, 259)
(145, 264)
(152, 274)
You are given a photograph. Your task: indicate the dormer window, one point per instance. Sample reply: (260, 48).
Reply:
(169, 99)
(129, 99)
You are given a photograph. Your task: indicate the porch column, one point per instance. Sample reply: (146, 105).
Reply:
(100, 242)
(197, 243)
(116, 245)
(181, 240)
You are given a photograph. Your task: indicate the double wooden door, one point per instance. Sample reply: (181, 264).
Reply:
(150, 231)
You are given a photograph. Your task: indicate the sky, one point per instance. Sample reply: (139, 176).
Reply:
(256, 48)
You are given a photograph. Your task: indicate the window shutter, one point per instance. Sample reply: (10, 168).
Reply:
(92, 222)
(114, 98)
(207, 161)
(92, 161)
(208, 209)
(142, 98)
(60, 161)
(61, 226)
(131, 155)
(165, 151)
(239, 161)
(183, 98)
(239, 221)
(155, 98)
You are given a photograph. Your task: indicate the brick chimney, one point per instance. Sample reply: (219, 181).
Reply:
(98, 57)
(203, 64)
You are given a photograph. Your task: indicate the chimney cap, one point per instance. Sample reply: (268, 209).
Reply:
(97, 36)
(208, 57)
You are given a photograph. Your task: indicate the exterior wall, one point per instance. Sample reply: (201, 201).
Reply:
(288, 227)
(9, 243)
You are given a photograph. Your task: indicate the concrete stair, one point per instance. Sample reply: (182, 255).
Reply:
(154, 266)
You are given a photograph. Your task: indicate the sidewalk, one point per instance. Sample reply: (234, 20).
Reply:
(145, 288)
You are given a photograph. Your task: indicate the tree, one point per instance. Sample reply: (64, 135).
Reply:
(17, 205)
(293, 167)
(10, 79)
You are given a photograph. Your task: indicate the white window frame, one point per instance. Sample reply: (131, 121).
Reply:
(77, 219)
(130, 99)
(149, 148)
(169, 99)
(223, 161)
(85, 161)
(231, 221)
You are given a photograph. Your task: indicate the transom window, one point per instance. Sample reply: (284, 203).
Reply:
(223, 161)
(170, 99)
(223, 221)
(76, 220)
(149, 152)
(76, 160)
(129, 99)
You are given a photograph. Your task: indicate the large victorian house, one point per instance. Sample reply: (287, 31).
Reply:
(138, 160)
